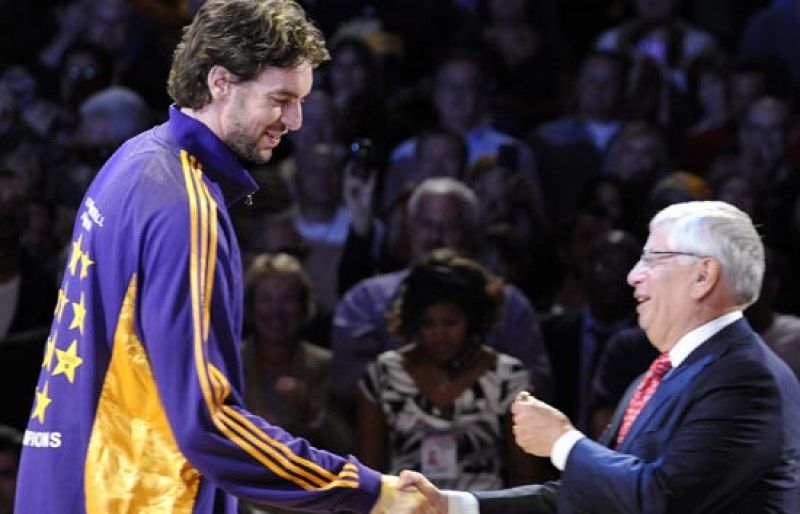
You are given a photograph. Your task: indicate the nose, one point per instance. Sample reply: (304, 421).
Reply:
(292, 116)
(635, 274)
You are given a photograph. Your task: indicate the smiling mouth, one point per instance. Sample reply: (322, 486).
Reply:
(273, 139)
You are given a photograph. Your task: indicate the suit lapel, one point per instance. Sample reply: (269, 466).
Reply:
(668, 392)
(680, 378)
(610, 433)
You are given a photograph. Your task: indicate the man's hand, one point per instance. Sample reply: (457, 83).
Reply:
(537, 425)
(401, 496)
(435, 502)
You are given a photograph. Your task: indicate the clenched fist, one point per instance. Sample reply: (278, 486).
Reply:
(537, 425)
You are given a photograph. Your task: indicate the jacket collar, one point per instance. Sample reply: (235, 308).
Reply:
(220, 165)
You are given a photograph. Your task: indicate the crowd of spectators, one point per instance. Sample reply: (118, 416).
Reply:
(544, 133)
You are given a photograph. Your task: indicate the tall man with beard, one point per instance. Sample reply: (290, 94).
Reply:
(139, 404)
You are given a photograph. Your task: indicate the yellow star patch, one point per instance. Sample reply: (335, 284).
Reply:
(85, 263)
(49, 350)
(79, 313)
(68, 361)
(61, 303)
(42, 402)
(76, 255)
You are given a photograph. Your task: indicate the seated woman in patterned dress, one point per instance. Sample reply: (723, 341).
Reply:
(440, 404)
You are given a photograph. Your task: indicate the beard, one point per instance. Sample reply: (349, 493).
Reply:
(246, 148)
(240, 138)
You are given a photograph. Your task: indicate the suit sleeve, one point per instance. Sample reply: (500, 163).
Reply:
(188, 310)
(724, 443)
(526, 499)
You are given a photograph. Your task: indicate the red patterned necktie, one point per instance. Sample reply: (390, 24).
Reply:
(643, 392)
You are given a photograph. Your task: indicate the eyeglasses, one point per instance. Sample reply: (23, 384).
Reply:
(650, 257)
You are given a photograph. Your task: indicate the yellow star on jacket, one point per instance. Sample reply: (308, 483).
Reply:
(61, 303)
(68, 361)
(76, 255)
(79, 313)
(85, 263)
(42, 402)
(49, 350)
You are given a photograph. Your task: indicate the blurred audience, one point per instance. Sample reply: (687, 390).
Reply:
(130, 36)
(356, 85)
(10, 447)
(780, 331)
(658, 34)
(439, 152)
(462, 95)
(107, 118)
(764, 160)
(27, 290)
(576, 340)
(530, 63)
(442, 212)
(639, 158)
(321, 217)
(287, 378)
(570, 149)
(772, 32)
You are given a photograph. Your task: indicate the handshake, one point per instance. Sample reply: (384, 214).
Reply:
(537, 426)
(409, 493)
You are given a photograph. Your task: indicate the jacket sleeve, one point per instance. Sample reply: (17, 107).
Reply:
(189, 318)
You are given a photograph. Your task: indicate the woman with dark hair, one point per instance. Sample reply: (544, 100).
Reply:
(440, 404)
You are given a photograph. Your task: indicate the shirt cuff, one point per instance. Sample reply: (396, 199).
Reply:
(562, 447)
(459, 502)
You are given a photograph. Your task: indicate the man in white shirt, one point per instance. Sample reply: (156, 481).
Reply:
(720, 432)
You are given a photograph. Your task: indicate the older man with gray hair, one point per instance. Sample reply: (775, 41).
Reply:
(713, 426)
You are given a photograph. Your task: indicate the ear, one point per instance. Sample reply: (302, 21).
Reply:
(220, 82)
(706, 278)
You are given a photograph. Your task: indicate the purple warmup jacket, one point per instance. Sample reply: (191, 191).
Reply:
(139, 405)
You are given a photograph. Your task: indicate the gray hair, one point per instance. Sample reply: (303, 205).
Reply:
(468, 202)
(721, 231)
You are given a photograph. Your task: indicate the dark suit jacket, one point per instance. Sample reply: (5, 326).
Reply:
(720, 435)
